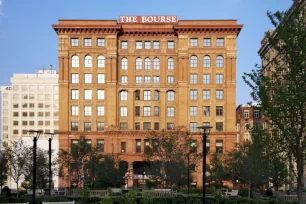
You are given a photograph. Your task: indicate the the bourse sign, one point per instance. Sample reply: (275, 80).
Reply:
(147, 19)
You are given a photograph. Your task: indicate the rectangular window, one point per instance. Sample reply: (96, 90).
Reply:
(100, 94)
(87, 127)
(170, 79)
(123, 95)
(194, 42)
(193, 78)
(137, 126)
(206, 78)
(156, 126)
(87, 42)
(100, 126)
(219, 79)
(156, 111)
(193, 94)
(219, 110)
(147, 45)
(74, 42)
(100, 145)
(156, 95)
(137, 111)
(207, 42)
(74, 94)
(100, 42)
(124, 45)
(100, 110)
(123, 147)
(193, 146)
(256, 113)
(219, 126)
(138, 79)
(75, 78)
(220, 42)
(138, 146)
(138, 44)
(87, 110)
(137, 95)
(147, 111)
(193, 110)
(147, 95)
(74, 126)
(246, 113)
(147, 79)
(88, 78)
(219, 146)
(193, 127)
(74, 110)
(123, 126)
(87, 94)
(170, 126)
(156, 45)
(124, 79)
(206, 94)
(219, 94)
(147, 145)
(123, 111)
(170, 44)
(147, 126)
(101, 78)
(170, 111)
(156, 79)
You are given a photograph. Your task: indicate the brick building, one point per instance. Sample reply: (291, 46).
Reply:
(118, 81)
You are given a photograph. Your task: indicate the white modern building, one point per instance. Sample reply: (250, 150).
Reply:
(30, 103)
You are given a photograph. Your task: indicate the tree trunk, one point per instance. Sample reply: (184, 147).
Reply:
(300, 182)
(17, 190)
(249, 189)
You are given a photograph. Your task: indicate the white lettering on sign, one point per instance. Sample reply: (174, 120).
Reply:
(147, 19)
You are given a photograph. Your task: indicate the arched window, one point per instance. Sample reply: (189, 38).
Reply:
(156, 63)
(88, 61)
(138, 63)
(147, 63)
(206, 61)
(124, 64)
(101, 61)
(123, 95)
(193, 61)
(170, 64)
(170, 95)
(156, 95)
(219, 62)
(75, 61)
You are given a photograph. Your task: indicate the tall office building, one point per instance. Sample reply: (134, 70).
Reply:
(120, 80)
(30, 103)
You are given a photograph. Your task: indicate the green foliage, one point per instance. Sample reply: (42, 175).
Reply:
(107, 200)
(216, 171)
(243, 192)
(147, 199)
(3, 169)
(130, 197)
(85, 195)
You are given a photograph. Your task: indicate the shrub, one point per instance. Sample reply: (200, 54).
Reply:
(147, 199)
(130, 197)
(243, 192)
(107, 200)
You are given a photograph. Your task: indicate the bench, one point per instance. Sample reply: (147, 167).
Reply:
(234, 193)
(69, 202)
(159, 193)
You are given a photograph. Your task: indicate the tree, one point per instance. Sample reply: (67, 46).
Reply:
(168, 153)
(216, 170)
(3, 169)
(281, 91)
(75, 164)
(42, 172)
(17, 155)
(110, 172)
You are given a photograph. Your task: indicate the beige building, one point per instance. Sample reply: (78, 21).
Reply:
(118, 81)
(30, 103)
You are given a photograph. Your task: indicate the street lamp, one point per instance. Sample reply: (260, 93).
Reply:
(205, 130)
(51, 135)
(35, 138)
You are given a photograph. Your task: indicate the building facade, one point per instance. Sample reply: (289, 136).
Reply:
(248, 116)
(30, 103)
(119, 81)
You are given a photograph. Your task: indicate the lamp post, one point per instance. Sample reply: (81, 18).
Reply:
(51, 135)
(35, 138)
(205, 129)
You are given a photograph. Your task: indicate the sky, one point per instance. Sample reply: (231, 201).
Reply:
(28, 42)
